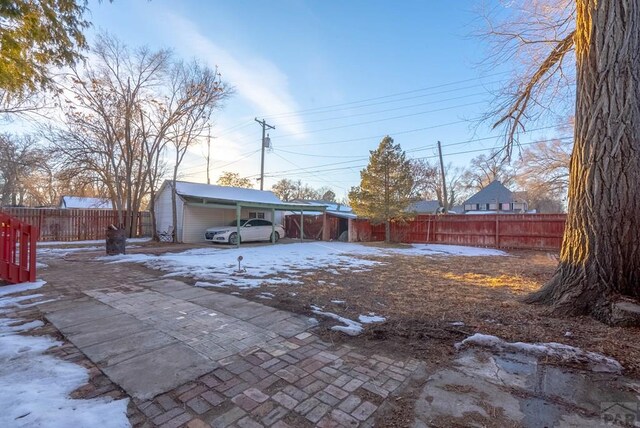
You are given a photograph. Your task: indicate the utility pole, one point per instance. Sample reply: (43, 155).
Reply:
(208, 154)
(265, 126)
(445, 201)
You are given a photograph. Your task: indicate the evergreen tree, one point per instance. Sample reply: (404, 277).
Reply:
(35, 35)
(385, 187)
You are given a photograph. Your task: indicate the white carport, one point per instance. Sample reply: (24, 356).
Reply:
(200, 206)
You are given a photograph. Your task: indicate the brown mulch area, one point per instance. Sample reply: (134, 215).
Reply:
(422, 296)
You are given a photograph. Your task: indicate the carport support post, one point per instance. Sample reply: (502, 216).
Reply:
(273, 225)
(238, 212)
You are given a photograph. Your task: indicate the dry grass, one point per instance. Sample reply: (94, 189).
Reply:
(422, 296)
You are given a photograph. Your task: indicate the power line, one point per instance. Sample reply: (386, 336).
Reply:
(299, 112)
(201, 170)
(378, 136)
(391, 109)
(279, 173)
(314, 131)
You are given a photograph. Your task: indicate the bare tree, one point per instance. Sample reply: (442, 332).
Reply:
(543, 173)
(205, 91)
(100, 133)
(600, 257)
(288, 190)
(484, 169)
(425, 179)
(233, 179)
(20, 161)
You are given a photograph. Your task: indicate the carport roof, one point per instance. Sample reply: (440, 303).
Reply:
(280, 206)
(226, 197)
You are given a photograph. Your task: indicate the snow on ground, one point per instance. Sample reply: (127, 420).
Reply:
(281, 264)
(350, 327)
(595, 361)
(35, 387)
(371, 318)
(17, 288)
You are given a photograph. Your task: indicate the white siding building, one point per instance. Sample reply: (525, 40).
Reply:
(200, 206)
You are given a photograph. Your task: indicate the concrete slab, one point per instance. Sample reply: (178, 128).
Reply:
(191, 293)
(485, 388)
(62, 303)
(111, 352)
(220, 301)
(270, 318)
(168, 285)
(98, 332)
(159, 371)
(248, 311)
(80, 313)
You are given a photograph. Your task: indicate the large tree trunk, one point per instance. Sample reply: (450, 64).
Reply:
(600, 256)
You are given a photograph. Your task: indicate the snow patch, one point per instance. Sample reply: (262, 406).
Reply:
(350, 327)
(597, 362)
(371, 318)
(17, 288)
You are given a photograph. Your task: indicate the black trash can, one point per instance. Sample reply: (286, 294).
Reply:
(116, 241)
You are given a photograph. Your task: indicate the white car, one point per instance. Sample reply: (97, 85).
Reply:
(255, 229)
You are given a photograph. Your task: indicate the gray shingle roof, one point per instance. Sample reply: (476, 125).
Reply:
(494, 192)
(424, 207)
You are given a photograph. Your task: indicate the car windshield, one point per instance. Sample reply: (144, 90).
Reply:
(242, 222)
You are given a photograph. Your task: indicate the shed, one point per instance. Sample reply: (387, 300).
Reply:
(200, 206)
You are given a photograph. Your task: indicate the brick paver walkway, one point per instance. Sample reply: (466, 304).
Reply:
(247, 364)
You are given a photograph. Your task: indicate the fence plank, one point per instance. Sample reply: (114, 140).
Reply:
(523, 231)
(57, 224)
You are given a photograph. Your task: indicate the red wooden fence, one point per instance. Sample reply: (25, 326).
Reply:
(74, 224)
(525, 231)
(17, 250)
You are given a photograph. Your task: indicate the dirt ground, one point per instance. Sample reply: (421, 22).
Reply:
(422, 297)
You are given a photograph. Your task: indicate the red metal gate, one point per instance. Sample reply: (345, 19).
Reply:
(17, 250)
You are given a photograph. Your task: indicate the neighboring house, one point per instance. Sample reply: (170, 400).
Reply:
(425, 207)
(495, 198)
(85, 202)
(200, 206)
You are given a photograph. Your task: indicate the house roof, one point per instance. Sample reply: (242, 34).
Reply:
(494, 192)
(426, 207)
(85, 202)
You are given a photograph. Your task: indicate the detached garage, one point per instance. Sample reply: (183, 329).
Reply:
(201, 206)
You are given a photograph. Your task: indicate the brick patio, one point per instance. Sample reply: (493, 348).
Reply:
(245, 364)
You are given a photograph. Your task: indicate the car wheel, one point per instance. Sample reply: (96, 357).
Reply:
(233, 239)
(277, 237)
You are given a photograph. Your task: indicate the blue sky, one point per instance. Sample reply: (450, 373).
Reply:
(333, 77)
